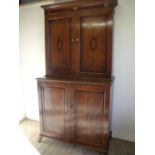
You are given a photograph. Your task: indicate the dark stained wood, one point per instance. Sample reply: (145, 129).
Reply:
(82, 111)
(53, 103)
(92, 101)
(54, 110)
(75, 45)
(79, 43)
(74, 5)
(82, 81)
(93, 44)
(96, 46)
(88, 116)
(74, 95)
(60, 44)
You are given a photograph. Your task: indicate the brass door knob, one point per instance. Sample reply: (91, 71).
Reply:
(77, 39)
(73, 40)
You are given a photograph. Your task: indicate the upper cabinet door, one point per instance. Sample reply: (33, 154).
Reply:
(58, 44)
(95, 43)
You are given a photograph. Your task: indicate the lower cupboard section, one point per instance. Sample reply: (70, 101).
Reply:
(75, 112)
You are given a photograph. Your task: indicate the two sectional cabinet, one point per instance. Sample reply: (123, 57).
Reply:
(74, 95)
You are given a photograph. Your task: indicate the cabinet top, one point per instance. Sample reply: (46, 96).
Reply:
(79, 4)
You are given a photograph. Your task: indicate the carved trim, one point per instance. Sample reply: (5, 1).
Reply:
(80, 4)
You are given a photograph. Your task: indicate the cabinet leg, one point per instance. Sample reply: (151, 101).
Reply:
(40, 138)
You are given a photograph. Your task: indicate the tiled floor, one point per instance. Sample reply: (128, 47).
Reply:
(54, 147)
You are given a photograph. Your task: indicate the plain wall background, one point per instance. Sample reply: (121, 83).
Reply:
(32, 57)
(123, 98)
(32, 65)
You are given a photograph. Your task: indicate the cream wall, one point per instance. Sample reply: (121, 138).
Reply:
(31, 56)
(123, 99)
(33, 65)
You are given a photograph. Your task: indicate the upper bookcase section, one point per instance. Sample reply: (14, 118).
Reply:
(78, 38)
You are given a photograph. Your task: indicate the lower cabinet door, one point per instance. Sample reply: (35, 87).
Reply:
(53, 109)
(91, 111)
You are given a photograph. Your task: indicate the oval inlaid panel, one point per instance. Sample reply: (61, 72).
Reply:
(93, 44)
(59, 44)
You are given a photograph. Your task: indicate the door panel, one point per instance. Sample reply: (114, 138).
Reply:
(53, 110)
(89, 111)
(93, 44)
(60, 44)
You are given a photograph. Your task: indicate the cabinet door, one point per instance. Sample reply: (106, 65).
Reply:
(53, 102)
(91, 112)
(58, 44)
(95, 43)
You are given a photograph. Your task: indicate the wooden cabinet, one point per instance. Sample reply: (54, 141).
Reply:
(74, 95)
